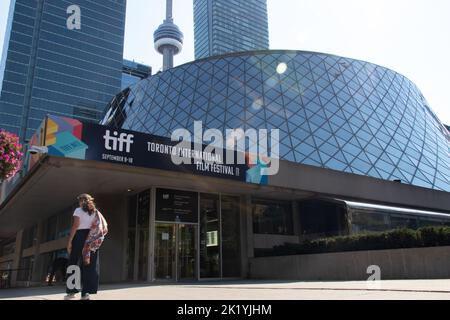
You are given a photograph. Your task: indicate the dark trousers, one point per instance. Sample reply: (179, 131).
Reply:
(89, 273)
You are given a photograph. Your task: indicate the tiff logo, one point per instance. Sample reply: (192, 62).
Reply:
(118, 142)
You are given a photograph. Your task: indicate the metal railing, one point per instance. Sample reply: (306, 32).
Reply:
(6, 274)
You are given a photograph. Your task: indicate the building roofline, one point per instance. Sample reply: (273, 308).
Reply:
(280, 51)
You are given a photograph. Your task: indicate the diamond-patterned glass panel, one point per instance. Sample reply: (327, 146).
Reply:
(332, 112)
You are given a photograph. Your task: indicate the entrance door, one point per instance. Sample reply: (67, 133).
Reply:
(165, 251)
(175, 252)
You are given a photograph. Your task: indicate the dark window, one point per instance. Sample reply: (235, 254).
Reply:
(25, 267)
(272, 217)
(320, 219)
(231, 262)
(64, 223)
(209, 236)
(50, 229)
(29, 237)
(7, 247)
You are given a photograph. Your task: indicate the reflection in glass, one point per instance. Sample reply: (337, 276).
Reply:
(332, 112)
(363, 221)
(143, 254)
(379, 220)
(131, 241)
(209, 236)
(187, 251)
(272, 217)
(165, 252)
(138, 235)
(231, 263)
(143, 217)
(130, 253)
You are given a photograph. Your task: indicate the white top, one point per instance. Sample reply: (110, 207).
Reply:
(85, 219)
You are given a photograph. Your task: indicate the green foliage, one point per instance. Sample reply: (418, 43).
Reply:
(395, 239)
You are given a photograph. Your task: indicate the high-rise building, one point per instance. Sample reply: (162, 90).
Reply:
(225, 26)
(60, 58)
(133, 72)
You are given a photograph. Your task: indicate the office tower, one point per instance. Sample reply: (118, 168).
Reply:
(168, 38)
(133, 72)
(225, 26)
(62, 59)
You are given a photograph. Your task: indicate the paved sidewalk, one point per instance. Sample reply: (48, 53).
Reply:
(253, 290)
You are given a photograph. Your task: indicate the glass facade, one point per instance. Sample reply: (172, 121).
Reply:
(51, 69)
(210, 237)
(271, 217)
(332, 112)
(372, 218)
(225, 26)
(133, 72)
(194, 236)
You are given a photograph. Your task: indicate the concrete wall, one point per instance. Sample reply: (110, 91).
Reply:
(113, 250)
(419, 263)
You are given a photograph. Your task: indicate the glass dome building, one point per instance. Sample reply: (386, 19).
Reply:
(332, 112)
(349, 131)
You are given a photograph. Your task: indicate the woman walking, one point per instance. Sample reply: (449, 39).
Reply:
(88, 231)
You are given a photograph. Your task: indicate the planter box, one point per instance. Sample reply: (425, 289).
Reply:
(417, 263)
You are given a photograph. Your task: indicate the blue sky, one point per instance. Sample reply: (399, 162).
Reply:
(408, 36)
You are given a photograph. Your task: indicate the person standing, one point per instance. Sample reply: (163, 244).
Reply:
(88, 231)
(58, 268)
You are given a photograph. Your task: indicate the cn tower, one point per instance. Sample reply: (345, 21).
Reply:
(168, 38)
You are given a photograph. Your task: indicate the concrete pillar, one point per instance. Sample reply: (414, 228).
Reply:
(113, 251)
(296, 218)
(151, 245)
(17, 256)
(247, 250)
(38, 266)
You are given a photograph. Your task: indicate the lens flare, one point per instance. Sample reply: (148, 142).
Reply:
(282, 68)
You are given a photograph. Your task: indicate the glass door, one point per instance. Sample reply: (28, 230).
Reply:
(210, 237)
(165, 265)
(187, 252)
(175, 252)
(138, 236)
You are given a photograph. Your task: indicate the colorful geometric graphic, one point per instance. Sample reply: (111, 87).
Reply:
(253, 174)
(70, 138)
(63, 138)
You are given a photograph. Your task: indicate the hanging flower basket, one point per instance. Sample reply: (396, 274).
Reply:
(10, 155)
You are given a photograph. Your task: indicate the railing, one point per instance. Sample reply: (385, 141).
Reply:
(5, 277)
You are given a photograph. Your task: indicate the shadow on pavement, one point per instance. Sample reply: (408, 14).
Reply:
(60, 290)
